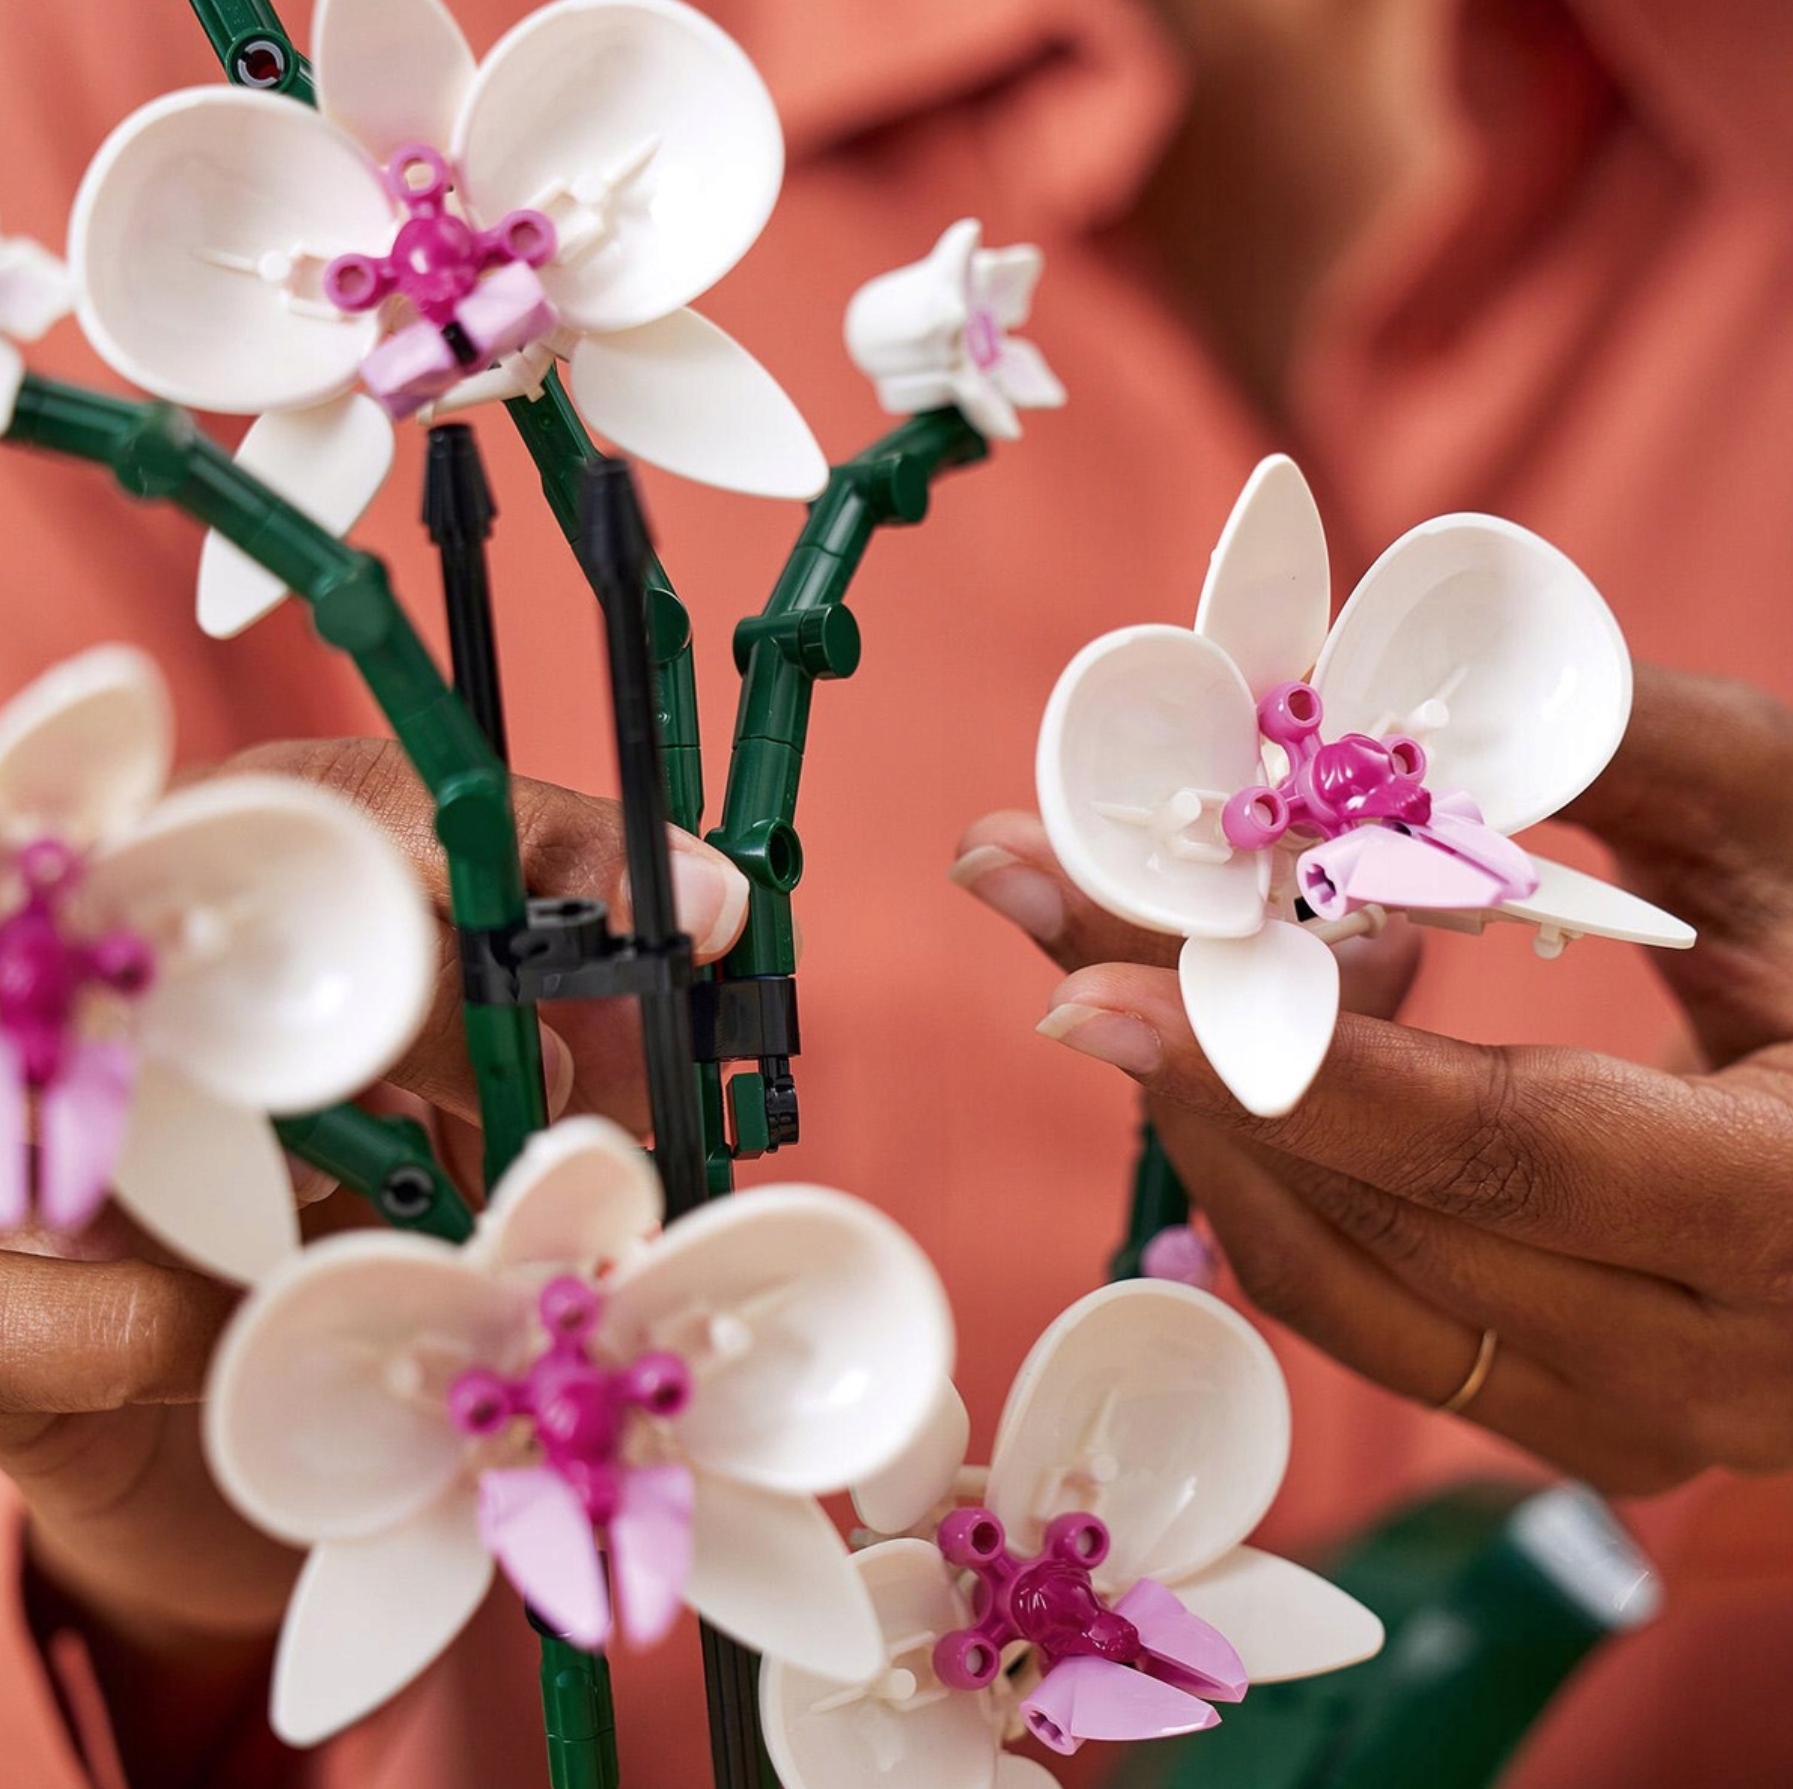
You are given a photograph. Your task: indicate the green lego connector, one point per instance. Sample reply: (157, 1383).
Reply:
(578, 1715)
(388, 1161)
(1159, 1203)
(253, 47)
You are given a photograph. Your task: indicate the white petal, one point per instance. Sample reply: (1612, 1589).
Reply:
(1015, 1772)
(580, 92)
(771, 1572)
(1282, 1620)
(85, 748)
(1004, 278)
(368, 1615)
(1154, 1407)
(206, 1176)
(894, 1500)
(1582, 906)
(12, 378)
(327, 1409)
(820, 1737)
(582, 1193)
(328, 460)
(1263, 1009)
(390, 72)
(982, 399)
(909, 323)
(182, 206)
(35, 289)
(682, 394)
(1511, 637)
(295, 955)
(816, 1331)
(1143, 720)
(1268, 593)
(1025, 378)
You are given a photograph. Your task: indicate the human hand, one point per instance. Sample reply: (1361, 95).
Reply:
(1625, 1231)
(105, 1340)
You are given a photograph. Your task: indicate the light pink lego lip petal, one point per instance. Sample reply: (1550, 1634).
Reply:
(82, 1117)
(651, 1548)
(1093, 1698)
(390, 72)
(533, 1524)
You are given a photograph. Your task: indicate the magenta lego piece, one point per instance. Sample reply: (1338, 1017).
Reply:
(1180, 1253)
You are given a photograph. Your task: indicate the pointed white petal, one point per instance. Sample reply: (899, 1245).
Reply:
(1146, 727)
(1263, 1009)
(328, 460)
(1510, 636)
(369, 1615)
(1026, 380)
(85, 748)
(187, 206)
(647, 136)
(35, 289)
(582, 1193)
(1268, 593)
(1282, 1620)
(906, 326)
(894, 1500)
(682, 394)
(817, 1334)
(206, 1176)
(327, 1409)
(1156, 1408)
(1582, 906)
(295, 956)
(979, 396)
(390, 72)
(895, 1731)
(12, 377)
(1004, 278)
(771, 1572)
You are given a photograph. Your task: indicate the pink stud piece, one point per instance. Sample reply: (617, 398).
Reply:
(582, 1414)
(1180, 1253)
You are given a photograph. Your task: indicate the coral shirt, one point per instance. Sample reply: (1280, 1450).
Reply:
(1585, 322)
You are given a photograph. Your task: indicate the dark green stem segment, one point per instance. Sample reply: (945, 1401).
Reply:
(1159, 1203)
(253, 47)
(578, 1714)
(388, 1161)
(157, 452)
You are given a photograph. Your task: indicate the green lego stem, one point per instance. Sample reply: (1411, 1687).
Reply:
(1159, 1202)
(578, 1713)
(806, 633)
(235, 26)
(388, 1161)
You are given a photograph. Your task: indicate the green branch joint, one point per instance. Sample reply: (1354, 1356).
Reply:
(251, 43)
(388, 1161)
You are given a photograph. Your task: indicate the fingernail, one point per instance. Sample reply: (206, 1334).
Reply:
(557, 1071)
(1021, 894)
(710, 896)
(1119, 1039)
(309, 1184)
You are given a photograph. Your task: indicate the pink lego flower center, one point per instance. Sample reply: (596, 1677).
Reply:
(983, 338)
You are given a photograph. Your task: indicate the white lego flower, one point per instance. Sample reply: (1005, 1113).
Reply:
(608, 162)
(35, 292)
(937, 333)
(407, 1410)
(175, 967)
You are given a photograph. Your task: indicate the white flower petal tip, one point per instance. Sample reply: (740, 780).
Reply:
(369, 1616)
(1282, 1620)
(1569, 904)
(644, 133)
(680, 393)
(921, 1477)
(330, 461)
(817, 1332)
(296, 956)
(1015, 1772)
(358, 53)
(1263, 1010)
(937, 332)
(1148, 733)
(1267, 598)
(1494, 649)
(198, 242)
(896, 1725)
(36, 289)
(1134, 1395)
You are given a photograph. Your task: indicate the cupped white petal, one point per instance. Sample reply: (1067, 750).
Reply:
(1494, 649)
(327, 1410)
(85, 748)
(1571, 904)
(582, 1193)
(295, 956)
(199, 240)
(328, 460)
(1015, 1772)
(643, 132)
(816, 1332)
(908, 323)
(1148, 733)
(1268, 594)
(367, 1616)
(898, 1727)
(391, 72)
(770, 1571)
(921, 1476)
(1157, 1409)
(1263, 1010)
(1283, 1620)
(205, 1176)
(36, 289)
(682, 394)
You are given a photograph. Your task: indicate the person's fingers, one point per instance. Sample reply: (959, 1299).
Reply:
(1302, 1272)
(1562, 1149)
